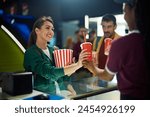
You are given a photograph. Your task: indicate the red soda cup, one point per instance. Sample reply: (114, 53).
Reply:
(107, 46)
(88, 47)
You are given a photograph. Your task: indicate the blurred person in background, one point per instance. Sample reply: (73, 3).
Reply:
(80, 78)
(39, 60)
(14, 9)
(79, 40)
(25, 9)
(92, 36)
(129, 56)
(69, 43)
(109, 26)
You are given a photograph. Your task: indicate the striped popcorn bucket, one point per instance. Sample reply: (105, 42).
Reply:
(63, 57)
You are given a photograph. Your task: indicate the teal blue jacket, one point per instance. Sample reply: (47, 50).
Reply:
(44, 70)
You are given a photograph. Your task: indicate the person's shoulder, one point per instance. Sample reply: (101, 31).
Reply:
(119, 41)
(32, 50)
(122, 40)
(116, 36)
(129, 36)
(135, 35)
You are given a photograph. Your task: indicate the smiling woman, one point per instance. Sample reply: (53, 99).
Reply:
(39, 59)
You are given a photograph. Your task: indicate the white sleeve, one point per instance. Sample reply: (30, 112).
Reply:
(109, 71)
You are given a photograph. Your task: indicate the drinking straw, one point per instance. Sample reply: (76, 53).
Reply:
(84, 35)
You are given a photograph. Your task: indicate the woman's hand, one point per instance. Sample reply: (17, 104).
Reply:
(82, 57)
(89, 65)
(72, 91)
(75, 66)
(56, 48)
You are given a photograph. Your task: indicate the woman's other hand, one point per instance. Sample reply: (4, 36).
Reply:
(72, 91)
(82, 57)
(89, 65)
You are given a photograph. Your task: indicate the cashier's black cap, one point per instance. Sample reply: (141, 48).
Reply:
(130, 2)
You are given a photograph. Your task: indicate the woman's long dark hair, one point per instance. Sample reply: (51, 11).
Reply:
(143, 24)
(38, 23)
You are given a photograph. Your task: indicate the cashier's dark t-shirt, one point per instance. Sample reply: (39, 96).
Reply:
(126, 58)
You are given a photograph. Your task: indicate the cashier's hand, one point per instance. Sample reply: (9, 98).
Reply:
(89, 65)
(82, 57)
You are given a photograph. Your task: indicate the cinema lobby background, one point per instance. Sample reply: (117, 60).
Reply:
(16, 21)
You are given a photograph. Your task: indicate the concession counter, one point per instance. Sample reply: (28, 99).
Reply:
(89, 91)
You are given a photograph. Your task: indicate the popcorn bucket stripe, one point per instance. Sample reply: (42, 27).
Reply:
(71, 55)
(64, 53)
(55, 57)
(62, 57)
(57, 63)
(67, 52)
(59, 59)
(68, 57)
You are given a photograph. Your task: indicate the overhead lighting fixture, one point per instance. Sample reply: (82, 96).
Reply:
(86, 20)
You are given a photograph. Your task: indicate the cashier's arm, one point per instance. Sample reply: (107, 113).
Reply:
(103, 74)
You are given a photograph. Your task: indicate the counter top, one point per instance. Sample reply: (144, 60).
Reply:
(85, 90)
(5, 96)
